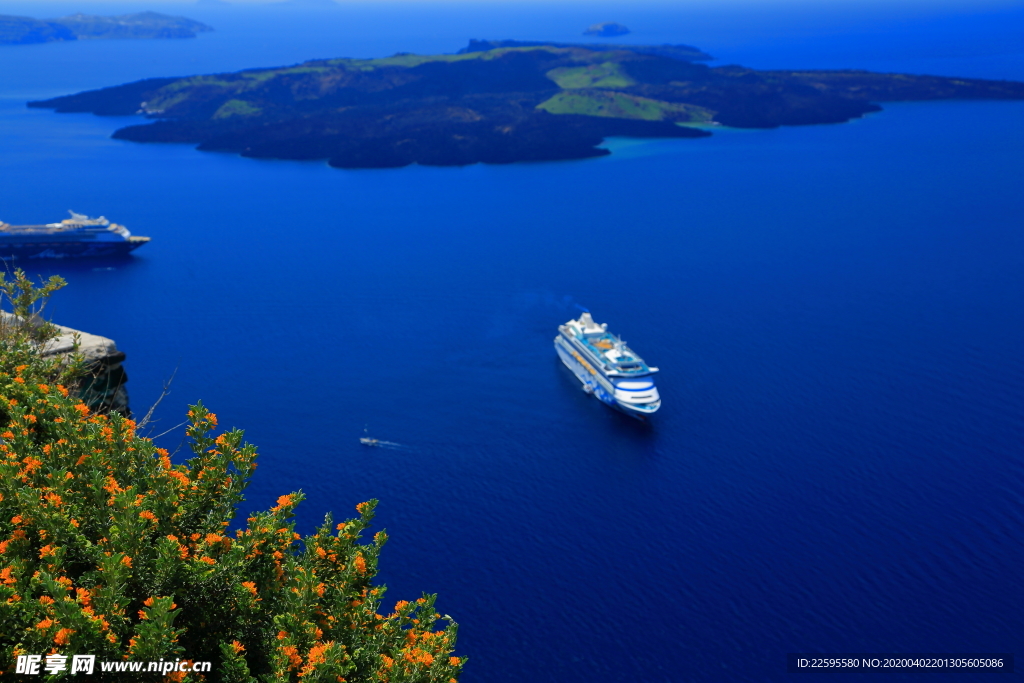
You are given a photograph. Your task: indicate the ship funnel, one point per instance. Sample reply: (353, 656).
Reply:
(588, 324)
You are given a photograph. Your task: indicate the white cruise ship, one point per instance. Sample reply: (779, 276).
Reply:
(608, 368)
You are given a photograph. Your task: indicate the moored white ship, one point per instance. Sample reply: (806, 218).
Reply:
(607, 367)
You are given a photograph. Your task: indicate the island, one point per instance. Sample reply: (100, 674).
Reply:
(25, 30)
(607, 29)
(536, 102)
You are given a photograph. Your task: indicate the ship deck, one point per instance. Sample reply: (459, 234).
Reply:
(613, 353)
(9, 229)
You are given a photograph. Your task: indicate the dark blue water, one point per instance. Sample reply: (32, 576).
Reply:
(838, 312)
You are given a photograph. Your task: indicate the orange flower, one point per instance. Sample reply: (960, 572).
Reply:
(82, 408)
(44, 624)
(45, 388)
(146, 514)
(45, 600)
(208, 560)
(293, 656)
(360, 564)
(316, 656)
(281, 635)
(362, 508)
(250, 586)
(63, 636)
(19, 380)
(45, 551)
(454, 661)
(237, 646)
(321, 552)
(126, 561)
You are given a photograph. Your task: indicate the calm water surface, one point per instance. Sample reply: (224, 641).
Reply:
(837, 312)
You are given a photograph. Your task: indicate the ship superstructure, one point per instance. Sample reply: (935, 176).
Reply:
(607, 367)
(78, 236)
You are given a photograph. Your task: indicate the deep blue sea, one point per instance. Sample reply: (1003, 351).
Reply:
(837, 311)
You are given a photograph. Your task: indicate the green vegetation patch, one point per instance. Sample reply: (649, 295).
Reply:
(267, 74)
(622, 106)
(199, 81)
(603, 75)
(164, 101)
(410, 60)
(237, 108)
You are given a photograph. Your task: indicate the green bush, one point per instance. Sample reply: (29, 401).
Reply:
(107, 548)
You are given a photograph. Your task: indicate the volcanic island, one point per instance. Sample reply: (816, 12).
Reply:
(495, 102)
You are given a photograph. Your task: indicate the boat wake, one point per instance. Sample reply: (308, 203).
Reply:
(377, 443)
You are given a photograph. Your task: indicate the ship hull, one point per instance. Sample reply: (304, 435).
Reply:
(592, 381)
(26, 251)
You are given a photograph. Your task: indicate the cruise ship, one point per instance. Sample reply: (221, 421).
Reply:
(608, 368)
(75, 237)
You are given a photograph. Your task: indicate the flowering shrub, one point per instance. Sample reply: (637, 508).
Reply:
(107, 548)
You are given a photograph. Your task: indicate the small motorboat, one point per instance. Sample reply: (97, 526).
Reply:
(366, 440)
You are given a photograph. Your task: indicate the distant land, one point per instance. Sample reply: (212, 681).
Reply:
(25, 30)
(527, 102)
(606, 29)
